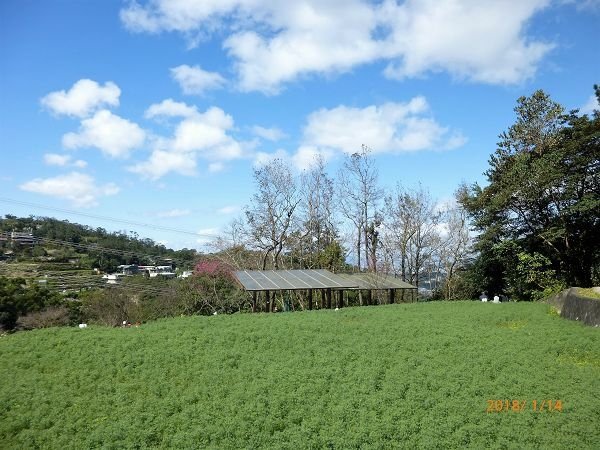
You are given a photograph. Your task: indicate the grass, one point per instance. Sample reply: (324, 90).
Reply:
(417, 376)
(588, 292)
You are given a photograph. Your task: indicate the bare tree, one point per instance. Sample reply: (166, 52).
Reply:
(231, 246)
(411, 232)
(358, 198)
(317, 213)
(399, 230)
(456, 246)
(270, 216)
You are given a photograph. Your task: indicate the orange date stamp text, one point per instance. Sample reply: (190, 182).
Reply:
(498, 406)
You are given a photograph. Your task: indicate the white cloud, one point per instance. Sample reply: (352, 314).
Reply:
(589, 106)
(203, 131)
(81, 189)
(274, 42)
(174, 213)
(54, 159)
(446, 204)
(464, 38)
(584, 5)
(170, 108)
(162, 162)
(80, 164)
(183, 16)
(84, 97)
(263, 158)
(207, 235)
(306, 156)
(270, 134)
(226, 210)
(203, 135)
(216, 167)
(111, 134)
(390, 127)
(194, 80)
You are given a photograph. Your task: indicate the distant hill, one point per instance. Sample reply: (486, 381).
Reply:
(60, 241)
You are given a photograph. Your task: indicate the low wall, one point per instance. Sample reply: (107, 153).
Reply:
(573, 306)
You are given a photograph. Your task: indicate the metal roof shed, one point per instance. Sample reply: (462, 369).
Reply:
(293, 280)
(276, 280)
(379, 282)
(324, 281)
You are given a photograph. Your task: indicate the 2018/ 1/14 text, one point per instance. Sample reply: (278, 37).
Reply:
(495, 406)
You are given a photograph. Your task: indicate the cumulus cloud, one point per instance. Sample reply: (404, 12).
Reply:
(390, 127)
(589, 106)
(463, 38)
(205, 135)
(207, 236)
(80, 164)
(306, 156)
(216, 167)
(84, 97)
(231, 209)
(170, 108)
(79, 188)
(194, 80)
(161, 162)
(264, 158)
(270, 134)
(112, 135)
(203, 131)
(54, 159)
(273, 43)
(174, 213)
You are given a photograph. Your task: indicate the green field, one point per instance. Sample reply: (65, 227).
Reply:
(397, 376)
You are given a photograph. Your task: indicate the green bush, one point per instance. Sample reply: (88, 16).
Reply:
(19, 298)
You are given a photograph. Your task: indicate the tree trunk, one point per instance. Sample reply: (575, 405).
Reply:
(358, 249)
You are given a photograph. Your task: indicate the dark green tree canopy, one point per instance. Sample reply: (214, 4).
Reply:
(543, 197)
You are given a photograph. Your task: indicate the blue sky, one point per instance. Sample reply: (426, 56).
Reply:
(157, 111)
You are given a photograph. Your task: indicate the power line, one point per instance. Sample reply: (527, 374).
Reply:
(75, 281)
(113, 219)
(107, 218)
(60, 283)
(96, 248)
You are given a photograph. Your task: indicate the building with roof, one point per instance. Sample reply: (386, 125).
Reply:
(330, 286)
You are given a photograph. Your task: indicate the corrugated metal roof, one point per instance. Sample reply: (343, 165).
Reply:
(275, 280)
(375, 281)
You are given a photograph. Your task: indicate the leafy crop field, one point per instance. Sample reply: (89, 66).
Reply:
(416, 375)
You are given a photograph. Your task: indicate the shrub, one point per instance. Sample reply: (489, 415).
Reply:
(210, 293)
(106, 307)
(17, 298)
(50, 317)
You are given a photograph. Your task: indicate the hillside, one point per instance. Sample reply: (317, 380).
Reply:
(417, 375)
(80, 246)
